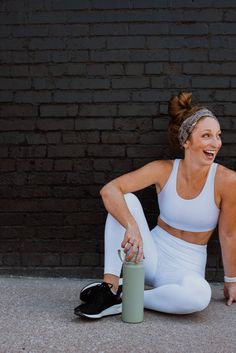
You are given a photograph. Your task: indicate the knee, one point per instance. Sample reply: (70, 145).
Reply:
(200, 293)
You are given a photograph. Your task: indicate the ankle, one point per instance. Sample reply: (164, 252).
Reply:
(112, 279)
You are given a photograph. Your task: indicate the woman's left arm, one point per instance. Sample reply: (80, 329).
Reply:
(227, 234)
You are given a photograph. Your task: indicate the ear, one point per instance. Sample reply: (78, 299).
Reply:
(186, 144)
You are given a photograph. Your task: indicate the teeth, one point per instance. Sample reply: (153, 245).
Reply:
(211, 152)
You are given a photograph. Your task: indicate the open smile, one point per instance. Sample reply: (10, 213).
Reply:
(210, 153)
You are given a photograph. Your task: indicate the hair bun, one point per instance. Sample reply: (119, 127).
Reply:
(180, 106)
(179, 109)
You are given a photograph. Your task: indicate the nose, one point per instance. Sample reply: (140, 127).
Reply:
(216, 141)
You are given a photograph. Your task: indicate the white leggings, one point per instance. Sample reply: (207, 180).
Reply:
(173, 267)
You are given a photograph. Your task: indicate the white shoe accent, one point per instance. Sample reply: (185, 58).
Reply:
(90, 285)
(113, 310)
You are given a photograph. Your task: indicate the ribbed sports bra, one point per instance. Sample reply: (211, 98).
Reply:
(199, 214)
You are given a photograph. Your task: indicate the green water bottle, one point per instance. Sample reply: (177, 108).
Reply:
(133, 291)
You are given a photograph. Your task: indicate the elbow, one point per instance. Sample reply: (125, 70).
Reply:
(108, 190)
(105, 190)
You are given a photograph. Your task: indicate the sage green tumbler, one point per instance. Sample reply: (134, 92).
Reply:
(133, 291)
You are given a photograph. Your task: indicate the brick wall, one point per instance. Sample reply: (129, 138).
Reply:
(84, 86)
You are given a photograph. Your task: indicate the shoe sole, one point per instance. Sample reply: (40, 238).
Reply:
(114, 310)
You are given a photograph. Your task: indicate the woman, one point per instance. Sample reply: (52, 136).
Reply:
(194, 194)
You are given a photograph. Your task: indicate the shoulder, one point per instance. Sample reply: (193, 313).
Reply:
(161, 169)
(226, 181)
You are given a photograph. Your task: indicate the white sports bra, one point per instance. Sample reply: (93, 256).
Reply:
(199, 214)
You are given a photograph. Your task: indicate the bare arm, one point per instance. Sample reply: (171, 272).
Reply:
(227, 233)
(113, 198)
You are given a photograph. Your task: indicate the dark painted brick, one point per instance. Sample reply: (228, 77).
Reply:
(72, 97)
(222, 28)
(15, 83)
(148, 29)
(55, 124)
(81, 137)
(63, 164)
(119, 137)
(194, 4)
(150, 4)
(94, 124)
(70, 5)
(86, 43)
(110, 55)
(135, 82)
(176, 42)
(106, 151)
(19, 70)
(137, 109)
(84, 98)
(153, 68)
(98, 110)
(145, 151)
(58, 110)
(11, 138)
(111, 96)
(83, 164)
(106, 4)
(149, 55)
(153, 138)
(18, 110)
(134, 69)
(126, 42)
(213, 82)
(7, 165)
(114, 69)
(33, 97)
(66, 151)
(44, 164)
(188, 54)
(150, 95)
(29, 31)
(28, 151)
(109, 29)
(222, 54)
(96, 69)
(133, 124)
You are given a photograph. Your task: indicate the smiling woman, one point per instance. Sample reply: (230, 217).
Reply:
(194, 195)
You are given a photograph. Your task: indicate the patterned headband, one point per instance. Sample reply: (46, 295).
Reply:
(188, 125)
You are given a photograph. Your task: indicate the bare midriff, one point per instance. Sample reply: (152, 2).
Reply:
(200, 238)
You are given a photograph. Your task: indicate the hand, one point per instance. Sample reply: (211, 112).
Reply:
(230, 292)
(133, 244)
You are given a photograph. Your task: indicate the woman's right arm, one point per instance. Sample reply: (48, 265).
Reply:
(114, 202)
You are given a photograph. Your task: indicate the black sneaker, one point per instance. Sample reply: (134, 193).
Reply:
(90, 290)
(105, 303)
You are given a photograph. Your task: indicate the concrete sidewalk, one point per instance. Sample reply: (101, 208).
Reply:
(36, 315)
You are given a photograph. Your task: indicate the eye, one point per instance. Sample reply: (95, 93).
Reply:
(205, 135)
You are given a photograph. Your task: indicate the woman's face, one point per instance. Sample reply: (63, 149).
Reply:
(205, 141)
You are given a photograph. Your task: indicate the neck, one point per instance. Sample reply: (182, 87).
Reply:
(192, 170)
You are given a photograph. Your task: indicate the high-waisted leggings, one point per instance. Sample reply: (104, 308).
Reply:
(174, 268)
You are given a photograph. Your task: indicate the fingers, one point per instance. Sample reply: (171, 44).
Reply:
(133, 246)
(134, 250)
(230, 301)
(230, 293)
